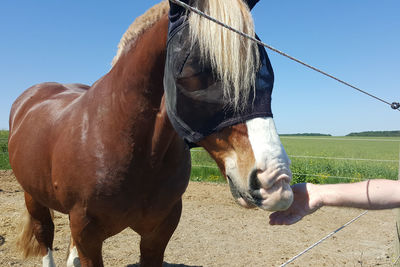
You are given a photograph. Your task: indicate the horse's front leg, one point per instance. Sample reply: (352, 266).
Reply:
(88, 237)
(152, 246)
(72, 256)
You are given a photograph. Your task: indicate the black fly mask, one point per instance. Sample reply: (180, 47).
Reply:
(194, 97)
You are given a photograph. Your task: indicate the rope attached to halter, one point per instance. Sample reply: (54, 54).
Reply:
(394, 105)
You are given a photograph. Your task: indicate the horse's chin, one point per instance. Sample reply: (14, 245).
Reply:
(245, 204)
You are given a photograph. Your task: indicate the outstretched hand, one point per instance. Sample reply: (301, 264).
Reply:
(306, 201)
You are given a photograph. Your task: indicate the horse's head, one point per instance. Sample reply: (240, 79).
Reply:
(218, 95)
(252, 158)
(245, 144)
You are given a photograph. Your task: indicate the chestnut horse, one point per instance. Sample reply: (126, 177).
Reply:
(108, 156)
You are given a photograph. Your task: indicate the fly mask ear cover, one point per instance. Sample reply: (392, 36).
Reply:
(194, 97)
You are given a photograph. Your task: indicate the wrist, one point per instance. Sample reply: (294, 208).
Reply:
(316, 196)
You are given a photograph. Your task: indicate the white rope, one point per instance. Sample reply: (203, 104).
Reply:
(398, 257)
(323, 239)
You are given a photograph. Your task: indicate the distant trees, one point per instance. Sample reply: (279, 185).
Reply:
(364, 134)
(377, 134)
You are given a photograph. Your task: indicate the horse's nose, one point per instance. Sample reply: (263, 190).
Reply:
(254, 182)
(268, 178)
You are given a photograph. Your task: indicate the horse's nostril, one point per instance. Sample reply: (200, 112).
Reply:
(254, 183)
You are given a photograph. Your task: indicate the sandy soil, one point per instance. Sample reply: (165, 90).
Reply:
(214, 231)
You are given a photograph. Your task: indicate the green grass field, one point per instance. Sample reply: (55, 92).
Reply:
(356, 159)
(314, 159)
(4, 163)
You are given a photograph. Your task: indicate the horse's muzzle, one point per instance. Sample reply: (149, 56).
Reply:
(277, 195)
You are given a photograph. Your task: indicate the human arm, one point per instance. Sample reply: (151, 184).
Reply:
(371, 195)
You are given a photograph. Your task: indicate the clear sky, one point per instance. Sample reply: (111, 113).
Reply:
(358, 41)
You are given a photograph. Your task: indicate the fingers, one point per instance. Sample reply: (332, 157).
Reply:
(299, 208)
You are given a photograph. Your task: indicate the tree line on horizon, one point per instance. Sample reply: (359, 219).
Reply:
(377, 134)
(360, 134)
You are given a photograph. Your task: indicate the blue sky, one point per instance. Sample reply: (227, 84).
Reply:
(358, 41)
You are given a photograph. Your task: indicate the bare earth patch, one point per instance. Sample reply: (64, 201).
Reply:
(214, 231)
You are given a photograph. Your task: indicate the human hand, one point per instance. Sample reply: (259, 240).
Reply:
(306, 201)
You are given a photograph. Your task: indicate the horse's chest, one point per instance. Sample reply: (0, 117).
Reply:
(140, 204)
(145, 189)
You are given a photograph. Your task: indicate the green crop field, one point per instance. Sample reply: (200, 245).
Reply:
(324, 159)
(4, 163)
(332, 159)
(314, 159)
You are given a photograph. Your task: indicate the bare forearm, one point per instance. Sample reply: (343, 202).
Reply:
(372, 194)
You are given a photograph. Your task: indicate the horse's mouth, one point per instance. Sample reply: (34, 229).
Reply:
(243, 199)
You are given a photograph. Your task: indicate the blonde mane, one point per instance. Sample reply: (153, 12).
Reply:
(139, 26)
(234, 59)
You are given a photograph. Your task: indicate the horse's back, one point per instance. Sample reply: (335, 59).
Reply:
(51, 95)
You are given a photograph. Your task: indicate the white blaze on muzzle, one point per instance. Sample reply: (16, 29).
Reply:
(265, 142)
(272, 164)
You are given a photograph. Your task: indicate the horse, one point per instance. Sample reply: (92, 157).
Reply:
(109, 157)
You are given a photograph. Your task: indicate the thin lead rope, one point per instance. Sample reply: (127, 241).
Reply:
(323, 239)
(398, 239)
(394, 105)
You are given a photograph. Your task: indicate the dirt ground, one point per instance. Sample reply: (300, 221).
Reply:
(214, 231)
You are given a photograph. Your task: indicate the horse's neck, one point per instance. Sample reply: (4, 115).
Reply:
(134, 91)
(137, 77)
